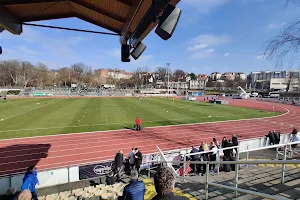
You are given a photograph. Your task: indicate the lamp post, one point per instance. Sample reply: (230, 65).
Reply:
(168, 65)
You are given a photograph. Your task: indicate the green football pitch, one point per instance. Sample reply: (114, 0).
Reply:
(42, 116)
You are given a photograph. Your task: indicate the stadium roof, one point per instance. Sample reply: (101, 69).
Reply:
(119, 16)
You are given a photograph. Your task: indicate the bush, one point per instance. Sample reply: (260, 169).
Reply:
(13, 92)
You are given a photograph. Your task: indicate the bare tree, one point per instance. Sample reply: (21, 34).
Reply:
(12, 68)
(139, 77)
(80, 71)
(28, 71)
(41, 76)
(284, 48)
(5, 79)
(64, 75)
(178, 75)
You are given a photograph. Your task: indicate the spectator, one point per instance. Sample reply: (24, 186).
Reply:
(204, 158)
(127, 168)
(10, 194)
(213, 155)
(235, 142)
(201, 147)
(119, 164)
(295, 131)
(224, 141)
(138, 159)
(276, 137)
(226, 167)
(25, 195)
(294, 138)
(271, 138)
(131, 158)
(226, 144)
(30, 181)
(194, 158)
(164, 181)
(216, 142)
(136, 189)
(110, 179)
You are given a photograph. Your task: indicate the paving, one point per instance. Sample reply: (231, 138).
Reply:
(259, 179)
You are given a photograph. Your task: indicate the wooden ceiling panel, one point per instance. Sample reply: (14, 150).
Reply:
(110, 14)
(27, 11)
(94, 16)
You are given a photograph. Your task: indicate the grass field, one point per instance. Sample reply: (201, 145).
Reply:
(33, 117)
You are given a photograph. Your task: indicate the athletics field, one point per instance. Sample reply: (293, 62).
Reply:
(48, 116)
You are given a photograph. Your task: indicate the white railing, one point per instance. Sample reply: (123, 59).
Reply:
(237, 164)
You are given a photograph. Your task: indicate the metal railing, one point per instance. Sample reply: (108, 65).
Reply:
(235, 187)
(286, 149)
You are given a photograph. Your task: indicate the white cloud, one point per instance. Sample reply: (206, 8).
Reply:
(212, 40)
(210, 50)
(62, 47)
(205, 6)
(27, 50)
(115, 53)
(260, 57)
(197, 47)
(201, 55)
(275, 25)
(226, 54)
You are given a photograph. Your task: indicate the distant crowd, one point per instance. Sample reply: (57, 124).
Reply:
(212, 156)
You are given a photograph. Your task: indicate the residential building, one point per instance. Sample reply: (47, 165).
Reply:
(198, 84)
(113, 73)
(228, 76)
(241, 76)
(215, 76)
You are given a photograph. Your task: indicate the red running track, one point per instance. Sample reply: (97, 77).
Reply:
(73, 149)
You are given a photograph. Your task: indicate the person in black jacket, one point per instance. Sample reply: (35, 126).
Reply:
(119, 164)
(224, 141)
(227, 152)
(271, 137)
(235, 142)
(138, 159)
(110, 178)
(194, 158)
(295, 131)
(276, 137)
(226, 167)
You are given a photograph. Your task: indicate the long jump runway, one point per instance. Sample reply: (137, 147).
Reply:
(72, 149)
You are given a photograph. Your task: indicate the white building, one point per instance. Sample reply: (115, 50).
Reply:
(275, 80)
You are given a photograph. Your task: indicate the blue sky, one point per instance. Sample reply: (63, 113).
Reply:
(212, 35)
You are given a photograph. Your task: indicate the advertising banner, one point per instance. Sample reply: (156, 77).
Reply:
(95, 170)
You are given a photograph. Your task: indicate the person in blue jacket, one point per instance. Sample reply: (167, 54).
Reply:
(136, 189)
(30, 180)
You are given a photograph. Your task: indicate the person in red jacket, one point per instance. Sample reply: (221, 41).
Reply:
(138, 124)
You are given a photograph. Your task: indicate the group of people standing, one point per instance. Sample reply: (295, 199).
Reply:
(274, 137)
(133, 161)
(212, 156)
